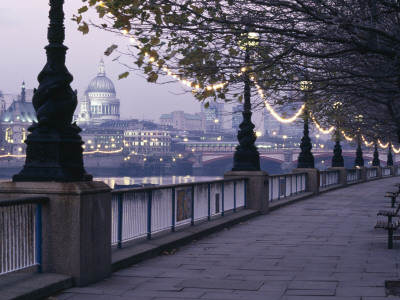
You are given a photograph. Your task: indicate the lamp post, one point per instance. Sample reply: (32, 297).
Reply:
(247, 157)
(306, 158)
(359, 161)
(390, 156)
(54, 147)
(376, 162)
(337, 159)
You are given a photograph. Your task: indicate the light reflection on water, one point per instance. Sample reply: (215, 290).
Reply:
(159, 180)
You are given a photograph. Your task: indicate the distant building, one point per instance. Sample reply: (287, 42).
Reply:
(180, 120)
(213, 116)
(15, 121)
(99, 102)
(237, 116)
(148, 141)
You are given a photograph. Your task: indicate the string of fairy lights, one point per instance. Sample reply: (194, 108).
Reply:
(268, 106)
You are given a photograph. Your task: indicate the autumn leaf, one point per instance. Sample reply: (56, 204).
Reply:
(152, 77)
(123, 75)
(83, 9)
(110, 49)
(84, 28)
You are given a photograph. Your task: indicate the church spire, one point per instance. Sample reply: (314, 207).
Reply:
(101, 69)
(23, 92)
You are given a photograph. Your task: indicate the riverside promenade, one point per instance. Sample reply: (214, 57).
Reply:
(324, 247)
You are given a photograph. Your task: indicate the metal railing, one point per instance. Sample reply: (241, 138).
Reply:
(386, 171)
(372, 173)
(328, 178)
(143, 211)
(353, 175)
(21, 234)
(286, 185)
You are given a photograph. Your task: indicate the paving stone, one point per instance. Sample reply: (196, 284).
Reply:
(312, 285)
(221, 284)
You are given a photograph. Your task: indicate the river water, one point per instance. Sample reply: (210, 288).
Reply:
(159, 180)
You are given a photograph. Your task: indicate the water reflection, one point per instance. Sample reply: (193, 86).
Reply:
(158, 180)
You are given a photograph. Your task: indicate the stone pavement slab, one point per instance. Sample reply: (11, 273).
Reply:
(324, 247)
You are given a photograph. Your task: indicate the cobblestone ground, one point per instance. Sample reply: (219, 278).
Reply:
(325, 247)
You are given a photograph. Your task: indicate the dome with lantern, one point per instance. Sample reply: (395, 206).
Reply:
(99, 103)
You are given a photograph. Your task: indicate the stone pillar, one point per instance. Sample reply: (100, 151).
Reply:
(363, 171)
(393, 170)
(76, 226)
(257, 189)
(342, 174)
(312, 179)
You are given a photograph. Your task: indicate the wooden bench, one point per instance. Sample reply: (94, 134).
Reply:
(388, 225)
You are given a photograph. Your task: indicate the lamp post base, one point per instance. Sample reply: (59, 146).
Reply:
(53, 157)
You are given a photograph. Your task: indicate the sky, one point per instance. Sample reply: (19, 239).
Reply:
(23, 33)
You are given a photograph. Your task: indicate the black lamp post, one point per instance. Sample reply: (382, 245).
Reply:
(390, 156)
(54, 147)
(359, 161)
(376, 162)
(337, 159)
(246, 157)
(306, 158)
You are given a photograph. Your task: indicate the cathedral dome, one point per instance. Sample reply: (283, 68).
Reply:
(101, 83)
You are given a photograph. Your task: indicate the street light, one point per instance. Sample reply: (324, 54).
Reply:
(247, 157)
(306, 158)
(337, 159)
(54, 147)
(359, 161)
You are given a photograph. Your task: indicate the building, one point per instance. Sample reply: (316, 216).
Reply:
(99, 102)
(213, 116)
(237, 116)
(148, 141)
(15, 121)
(180, 120)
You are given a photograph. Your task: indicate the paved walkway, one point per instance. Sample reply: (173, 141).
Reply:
(321, 248)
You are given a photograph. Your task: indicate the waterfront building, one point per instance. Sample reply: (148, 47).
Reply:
(147, 141)
(180, 120)
(99, 102)
(15, 121)
(213, 116)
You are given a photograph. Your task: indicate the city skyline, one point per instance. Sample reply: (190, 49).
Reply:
(23, 28)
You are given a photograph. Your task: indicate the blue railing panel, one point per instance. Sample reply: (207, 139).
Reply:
(286, 185)
(21, 234)
(144, 211)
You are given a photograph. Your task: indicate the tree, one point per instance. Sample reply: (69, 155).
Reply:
(350, 48)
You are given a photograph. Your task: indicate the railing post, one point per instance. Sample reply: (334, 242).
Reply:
(119, 220)
(223, 200)
(173, 210)
(39, 237)
(149, 200)
(234, 196)
(245, 193)
(209, 202)
(192, 218)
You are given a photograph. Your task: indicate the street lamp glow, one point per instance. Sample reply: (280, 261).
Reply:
(250, 39)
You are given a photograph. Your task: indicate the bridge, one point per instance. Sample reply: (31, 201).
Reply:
(218, 156)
